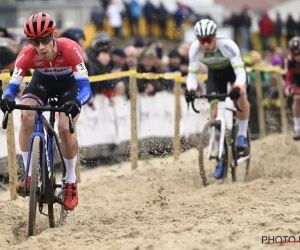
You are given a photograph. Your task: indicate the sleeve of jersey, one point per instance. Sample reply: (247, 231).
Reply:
(81, 76)
(194, 64)
(232, 51)
(16, 79)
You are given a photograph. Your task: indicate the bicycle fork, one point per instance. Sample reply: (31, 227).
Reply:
(220, 118)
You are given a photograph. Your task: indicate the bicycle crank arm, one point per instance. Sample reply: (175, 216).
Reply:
(59, 201)
(41, 205)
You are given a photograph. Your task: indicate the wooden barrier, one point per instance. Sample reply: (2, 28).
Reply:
(177, 121)
(260, 109)
(283, 114)
(134, 140)
(11, 147)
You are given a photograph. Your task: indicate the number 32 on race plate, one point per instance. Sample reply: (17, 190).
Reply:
(16, 73)
(82, 69)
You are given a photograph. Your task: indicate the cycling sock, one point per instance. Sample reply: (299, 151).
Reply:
(70, 170)
(243, 125)
(25, 158)
(296, 123)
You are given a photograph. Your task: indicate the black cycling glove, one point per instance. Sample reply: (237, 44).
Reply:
(234, 94)
(190, 96)
(7, 103)
(72, 107)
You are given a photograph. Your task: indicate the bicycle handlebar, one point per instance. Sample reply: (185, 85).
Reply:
(38, 109)
(218, 96)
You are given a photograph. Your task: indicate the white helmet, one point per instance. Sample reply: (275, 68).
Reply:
(205, 28)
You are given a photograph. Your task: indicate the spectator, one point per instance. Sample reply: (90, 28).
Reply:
(7, 59)
(147, 65)
(139, 45)
(165, 64)
(4, 32)
(101, 42)
(102, 64)
(245, 26)
(135, 14)
(178, 16)
(278, 52)
(278, 30)
(183, 50)
(97, 18)
(174, 64)
(162, 19)
(234, 22)
(118, 58)
(131, 56)
(115, 18)
(149, 12)
(291, 28)
(266, 26)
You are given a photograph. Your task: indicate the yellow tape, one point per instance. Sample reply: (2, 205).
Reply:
(168, 76)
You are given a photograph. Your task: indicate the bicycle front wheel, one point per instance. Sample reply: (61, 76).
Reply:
(35, 158)
(203, 143)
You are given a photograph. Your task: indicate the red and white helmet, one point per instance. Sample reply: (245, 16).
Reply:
(39, 25)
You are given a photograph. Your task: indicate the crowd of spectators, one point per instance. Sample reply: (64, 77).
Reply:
(148, 55)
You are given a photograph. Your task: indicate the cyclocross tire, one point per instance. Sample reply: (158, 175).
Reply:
(35, 156)
(203, 143)
(53, 207)
(248, 160)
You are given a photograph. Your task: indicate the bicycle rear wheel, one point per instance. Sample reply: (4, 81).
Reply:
(35, 158)
(204, 141)
(249, 152)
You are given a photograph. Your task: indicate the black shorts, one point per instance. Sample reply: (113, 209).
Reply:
(217, 81)
(42, 88)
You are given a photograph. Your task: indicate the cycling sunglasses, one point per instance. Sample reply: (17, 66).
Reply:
(208, 40)
(43, 41)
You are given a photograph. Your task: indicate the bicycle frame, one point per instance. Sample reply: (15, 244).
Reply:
(220, 117)
(47, 154)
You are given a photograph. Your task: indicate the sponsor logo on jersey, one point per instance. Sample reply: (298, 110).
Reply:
(78, 53)
(59, 60)
(39, 63)
(66, 93)
(41, 87)
(232, 52)
(56, 71)
(37, 57)
(59, 53)
(87, 96)
(213, 60)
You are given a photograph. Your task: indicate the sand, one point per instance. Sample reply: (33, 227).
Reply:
(163, 205)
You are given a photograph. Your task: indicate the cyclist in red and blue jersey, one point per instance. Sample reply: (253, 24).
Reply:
(59, 71)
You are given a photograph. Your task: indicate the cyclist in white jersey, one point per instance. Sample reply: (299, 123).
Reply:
(223, 58)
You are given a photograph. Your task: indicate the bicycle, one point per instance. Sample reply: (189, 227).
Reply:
(44, 188)
(228, 152)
